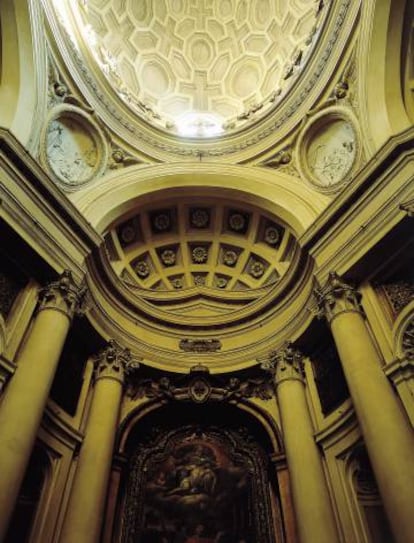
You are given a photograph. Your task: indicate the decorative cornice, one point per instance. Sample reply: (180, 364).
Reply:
(337, 297)
(114, 362)
(63, 295)
(285, 364)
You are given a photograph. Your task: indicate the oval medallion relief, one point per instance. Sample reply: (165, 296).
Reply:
(328, 150)
(73, 147)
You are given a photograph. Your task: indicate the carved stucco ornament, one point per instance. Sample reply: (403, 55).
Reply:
(254, 387)
(199, 390)
(114, 362)
(285, 364)
(329, 149)
(230, 257)
(200, 345)
(199, 254)
(399, 293)
(200, 218)
(63, 295)
(168, 257)
(73, 147)
(337, 297)
(122, 159)
(281, 158)
(200, 386)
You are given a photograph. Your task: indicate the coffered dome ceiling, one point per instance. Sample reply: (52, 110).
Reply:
(197, 68)
(200, 260)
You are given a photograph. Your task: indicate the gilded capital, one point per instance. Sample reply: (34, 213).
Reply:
(113, 362)
(63, 295)
(285, 364)
(337, 297)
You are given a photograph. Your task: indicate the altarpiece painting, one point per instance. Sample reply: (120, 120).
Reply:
(197, 485)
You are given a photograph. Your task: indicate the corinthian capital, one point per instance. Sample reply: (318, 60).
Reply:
(63, 295)
(113, 362)
(337, 297)
(285, 364)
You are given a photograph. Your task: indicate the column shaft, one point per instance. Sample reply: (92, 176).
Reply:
(84, 516)
(24, 401)
(315, 518)
(313, 510)
(83, 520)
(388, 436)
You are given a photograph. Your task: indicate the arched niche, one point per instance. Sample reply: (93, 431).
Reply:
(187, 465)
(382, 71)
(18, 70)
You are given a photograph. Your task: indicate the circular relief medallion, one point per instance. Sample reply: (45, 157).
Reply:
(328, 150)
(74, 149)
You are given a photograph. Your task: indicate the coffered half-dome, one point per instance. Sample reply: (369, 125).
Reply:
(201, 257)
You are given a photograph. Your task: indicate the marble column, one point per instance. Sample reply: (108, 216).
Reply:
(388, 436)
(26, 395)
(313, 509)
(84, 515)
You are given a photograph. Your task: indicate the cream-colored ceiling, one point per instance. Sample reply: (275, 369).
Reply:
(220, 257)
(198, 67)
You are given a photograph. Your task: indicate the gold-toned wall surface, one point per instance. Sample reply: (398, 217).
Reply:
(206, 338)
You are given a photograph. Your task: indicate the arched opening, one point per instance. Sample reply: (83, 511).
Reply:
(201, 472)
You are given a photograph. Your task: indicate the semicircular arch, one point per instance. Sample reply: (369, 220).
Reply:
(248, 410)
(282, 195)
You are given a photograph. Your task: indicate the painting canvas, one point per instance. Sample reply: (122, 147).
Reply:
(196, 494)
(193, 485)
